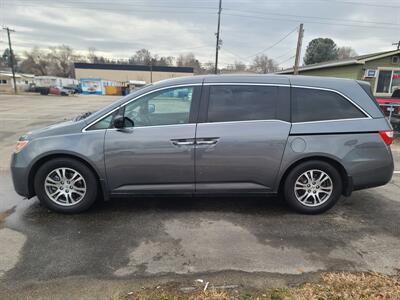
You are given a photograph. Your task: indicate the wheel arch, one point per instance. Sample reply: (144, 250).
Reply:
(346, 179)
(47, 157)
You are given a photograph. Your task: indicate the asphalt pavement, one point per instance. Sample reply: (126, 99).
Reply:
(129, 243)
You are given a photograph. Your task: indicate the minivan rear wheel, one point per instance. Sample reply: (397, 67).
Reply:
(65, 185)
(313, 187)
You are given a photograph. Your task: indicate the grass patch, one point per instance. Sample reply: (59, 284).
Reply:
(332, 286)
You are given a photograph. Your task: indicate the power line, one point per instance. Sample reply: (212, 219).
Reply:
(311, 17)
(285, 53)
(112, 4)
(286, 60)
(190, 7)
(274, 44)
(362, 3)
(114, 10)
(312, 22)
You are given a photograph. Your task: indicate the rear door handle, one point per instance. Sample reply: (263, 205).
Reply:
(207, 141)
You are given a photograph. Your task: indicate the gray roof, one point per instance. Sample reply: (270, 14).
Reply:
(360, 59)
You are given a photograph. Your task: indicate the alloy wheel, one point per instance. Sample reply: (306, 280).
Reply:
(313, 188)
(65, 186)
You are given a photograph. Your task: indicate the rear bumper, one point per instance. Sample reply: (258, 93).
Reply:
(378, 172)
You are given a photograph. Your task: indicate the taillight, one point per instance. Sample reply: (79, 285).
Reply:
(387, 136)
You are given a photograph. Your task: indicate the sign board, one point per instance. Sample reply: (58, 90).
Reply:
(370, 73)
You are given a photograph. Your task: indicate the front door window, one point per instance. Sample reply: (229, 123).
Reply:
(166, 107)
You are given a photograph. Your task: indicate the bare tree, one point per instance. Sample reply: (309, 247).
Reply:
(163, 60)
(237, 67)
(36, 62)
(92, 57)
(189, 60)
(62, 60)
(263, 64)
(141, 57)
(346, 52)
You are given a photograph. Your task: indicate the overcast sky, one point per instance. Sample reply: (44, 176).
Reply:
(170, 27)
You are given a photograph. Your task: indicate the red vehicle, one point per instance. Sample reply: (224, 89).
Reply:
(56, 90)
(388, 101)
(391, 108)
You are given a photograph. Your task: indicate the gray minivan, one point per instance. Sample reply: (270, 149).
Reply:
(311, 139)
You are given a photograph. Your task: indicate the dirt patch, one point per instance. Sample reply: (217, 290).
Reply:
(4, 215)
(343, 286)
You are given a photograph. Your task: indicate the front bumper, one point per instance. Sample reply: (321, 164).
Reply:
(20, 178)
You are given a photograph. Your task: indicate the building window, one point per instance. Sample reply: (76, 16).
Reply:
(388, 81)
(3, 81)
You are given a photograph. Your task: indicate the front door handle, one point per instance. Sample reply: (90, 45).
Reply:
(183, 142)
(207, 141)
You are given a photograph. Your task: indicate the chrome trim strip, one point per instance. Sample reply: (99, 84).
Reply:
(333, 120)
(339, 93)
(246, 121)
(133, 99)
(246, 83)
(153, 126)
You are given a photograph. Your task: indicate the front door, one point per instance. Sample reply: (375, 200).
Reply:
(240, 143)
(155, 150)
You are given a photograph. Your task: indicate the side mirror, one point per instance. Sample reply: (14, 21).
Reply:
(122, 122)
(119, 122)
(151, 108)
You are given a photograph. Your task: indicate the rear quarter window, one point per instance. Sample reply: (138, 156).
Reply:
(319, 105)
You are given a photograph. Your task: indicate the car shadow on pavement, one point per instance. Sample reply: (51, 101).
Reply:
(242, 204)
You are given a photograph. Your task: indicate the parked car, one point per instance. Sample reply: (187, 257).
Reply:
(73, 89)
(61, 91)
(310, 139)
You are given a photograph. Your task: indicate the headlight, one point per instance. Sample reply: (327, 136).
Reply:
(20, 145)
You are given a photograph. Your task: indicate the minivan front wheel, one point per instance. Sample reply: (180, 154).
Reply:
(313, 187)
(65, 185)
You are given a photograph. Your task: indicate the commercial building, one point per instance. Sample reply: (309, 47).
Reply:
(126, 73)
(381, 69)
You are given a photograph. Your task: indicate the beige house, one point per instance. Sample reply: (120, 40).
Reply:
(7, 84)
(126, 73)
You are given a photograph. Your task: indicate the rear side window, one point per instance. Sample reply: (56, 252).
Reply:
(242, 103)
(319, 105)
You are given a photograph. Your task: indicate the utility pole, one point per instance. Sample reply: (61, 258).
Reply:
(11, 56)
(298, 50)
(152, 61)
(217, 34)
(397, 44)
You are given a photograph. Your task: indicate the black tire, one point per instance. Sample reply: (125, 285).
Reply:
(89, 177)
(294, 174)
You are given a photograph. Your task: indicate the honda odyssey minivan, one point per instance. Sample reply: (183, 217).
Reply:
(311, 139)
